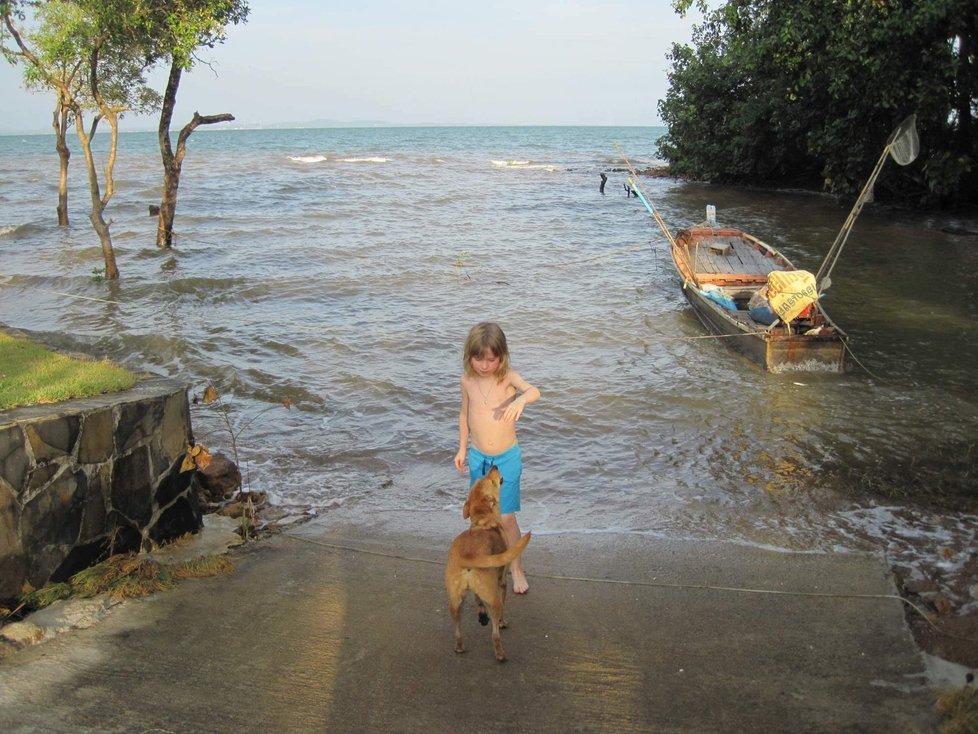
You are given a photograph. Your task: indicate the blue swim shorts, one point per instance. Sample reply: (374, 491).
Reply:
(510, 465)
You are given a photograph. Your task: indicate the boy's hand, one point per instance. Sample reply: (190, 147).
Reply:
(514, 410)
(460, 461)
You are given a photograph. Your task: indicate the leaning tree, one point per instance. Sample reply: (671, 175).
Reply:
(176, 30)
(113, 70)
(57, 46)
(58, 41)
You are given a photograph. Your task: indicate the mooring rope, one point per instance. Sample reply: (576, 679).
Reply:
(596, 257)
(656, 584)
(855, 359)
(182, 236)
(85, 298)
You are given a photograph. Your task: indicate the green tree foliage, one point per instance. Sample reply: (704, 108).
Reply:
(94, 54)
(59, 41)
(790, 93)
(96, 75)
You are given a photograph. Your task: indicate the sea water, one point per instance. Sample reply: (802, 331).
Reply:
(342, 268)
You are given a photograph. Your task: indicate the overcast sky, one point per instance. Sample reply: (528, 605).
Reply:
(509, 62)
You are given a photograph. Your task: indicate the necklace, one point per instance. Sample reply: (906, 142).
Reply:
(485, 395)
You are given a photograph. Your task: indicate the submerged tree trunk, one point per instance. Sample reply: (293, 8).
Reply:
(173, 162)
(60, 125)
(98, 201)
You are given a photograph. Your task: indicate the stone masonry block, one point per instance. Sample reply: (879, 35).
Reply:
(175, 432)
(15, 461)
(95, 511)
(53, 438)
(96, 443)
(54, 513)
(173, 484)
(50, 522)
(40, 477)
(138, 422)
(77, 480)
(9, 522)
(132, 486)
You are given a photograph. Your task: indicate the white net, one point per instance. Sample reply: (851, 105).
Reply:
(904, 143)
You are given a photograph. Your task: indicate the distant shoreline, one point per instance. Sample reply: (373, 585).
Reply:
(334, 126)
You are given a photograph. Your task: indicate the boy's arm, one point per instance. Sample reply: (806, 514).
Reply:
(463, 431)
(527, 394)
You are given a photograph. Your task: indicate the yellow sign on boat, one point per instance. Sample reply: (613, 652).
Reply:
(790, 291)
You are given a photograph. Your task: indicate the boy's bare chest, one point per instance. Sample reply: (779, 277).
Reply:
(488, 394)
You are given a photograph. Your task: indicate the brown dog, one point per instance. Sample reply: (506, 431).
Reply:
(478, 560)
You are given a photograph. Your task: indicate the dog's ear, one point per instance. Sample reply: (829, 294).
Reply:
(465, 510)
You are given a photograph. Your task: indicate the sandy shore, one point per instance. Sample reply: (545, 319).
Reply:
(340, 624)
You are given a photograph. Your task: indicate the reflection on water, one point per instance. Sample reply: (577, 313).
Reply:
(343, 268)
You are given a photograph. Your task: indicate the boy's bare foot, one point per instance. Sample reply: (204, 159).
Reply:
(520, 584)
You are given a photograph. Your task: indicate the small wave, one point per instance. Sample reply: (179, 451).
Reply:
(524, 165)
(18, 230)
(308, 158)
(372, 159)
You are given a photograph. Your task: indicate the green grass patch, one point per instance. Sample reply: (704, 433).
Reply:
(30, 374)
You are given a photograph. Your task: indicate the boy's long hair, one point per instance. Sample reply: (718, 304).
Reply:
(486, 335)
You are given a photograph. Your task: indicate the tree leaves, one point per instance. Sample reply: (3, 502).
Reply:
(773, 91)
(197, 457)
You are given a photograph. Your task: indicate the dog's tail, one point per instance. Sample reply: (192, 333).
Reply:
(499, 559)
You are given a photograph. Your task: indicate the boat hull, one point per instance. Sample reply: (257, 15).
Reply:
(775, 352)
(737, 265)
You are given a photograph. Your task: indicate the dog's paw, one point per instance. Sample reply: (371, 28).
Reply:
(483, 618)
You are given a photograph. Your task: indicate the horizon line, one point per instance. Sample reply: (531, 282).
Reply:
(317, 125)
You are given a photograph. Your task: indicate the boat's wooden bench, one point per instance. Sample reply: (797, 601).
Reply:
(731, 255)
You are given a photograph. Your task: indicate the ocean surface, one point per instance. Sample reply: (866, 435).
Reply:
(342, 269)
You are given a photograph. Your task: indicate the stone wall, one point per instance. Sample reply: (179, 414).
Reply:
(85, 478)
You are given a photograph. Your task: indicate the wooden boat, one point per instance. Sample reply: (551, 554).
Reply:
(748, 293)
(725, 271)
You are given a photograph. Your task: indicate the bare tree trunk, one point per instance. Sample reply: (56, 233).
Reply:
(168, 205)
(108, 254)
(173, 162)
(171, 170)
(98, 203)
(60, 125)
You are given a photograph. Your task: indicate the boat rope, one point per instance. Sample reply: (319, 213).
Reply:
(182, 236)
(596, 257)
(667, 337)
(646, 200)
(679, 253)
(652, 584)
(855, 359)
(84, 298)
(710, 336)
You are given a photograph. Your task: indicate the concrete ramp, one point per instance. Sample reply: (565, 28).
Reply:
(344, 628)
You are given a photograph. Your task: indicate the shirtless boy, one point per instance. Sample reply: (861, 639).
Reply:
(493, 399)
